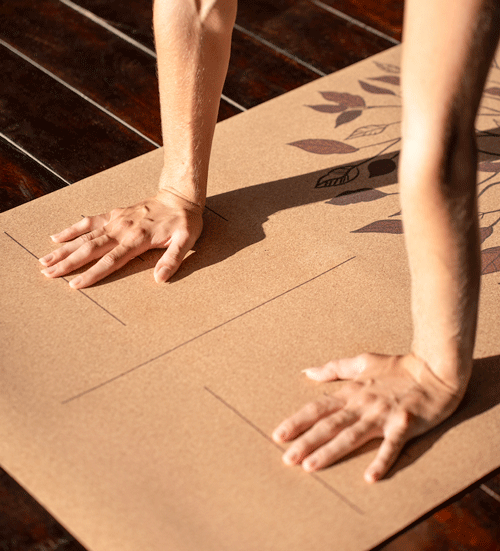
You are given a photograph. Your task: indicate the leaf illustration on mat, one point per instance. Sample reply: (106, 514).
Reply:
(388, 67)
(338, 176)
(490, 260)
(370, 130)
(347, 116)
(489, 166)
(389, 79)
(351, 197)
(381, 167)
(375, 89)
(349, 100)
(328, 108)
(382, 226)
(324, 147)
(494, 91)
(484, 233)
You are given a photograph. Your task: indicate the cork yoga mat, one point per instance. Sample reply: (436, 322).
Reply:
(140, 414)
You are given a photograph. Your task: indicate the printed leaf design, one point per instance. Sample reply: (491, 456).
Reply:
(484, 233)
(490, 260)
(489, 166)
(396, 214)
(388, 67)
(352, 197)
(324, 147)
(494, 91)
(329, 108)
(382, 226)
(389, 79)
(338, 176)
(370, 130)
(349, 100)
(381, 167)
(347, 116)
(375, 89)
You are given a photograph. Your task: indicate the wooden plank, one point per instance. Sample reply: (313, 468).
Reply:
(493, 484)
(135, 23)
(467, 524)
(257, 74)
(25, 525)
(385, 16)
(61, 129)
(112, 72)
(22, 179)
(325, 41)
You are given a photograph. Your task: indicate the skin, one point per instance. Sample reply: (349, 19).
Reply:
(446, 55)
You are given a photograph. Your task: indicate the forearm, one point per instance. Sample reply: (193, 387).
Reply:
(447, 52)
(193, 46)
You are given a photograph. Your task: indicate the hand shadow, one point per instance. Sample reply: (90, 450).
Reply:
(482, 394)
(235, 220)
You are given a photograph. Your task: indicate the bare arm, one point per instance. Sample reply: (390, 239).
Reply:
(448, 47)
(193, 44)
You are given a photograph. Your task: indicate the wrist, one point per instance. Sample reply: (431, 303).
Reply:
(452, 368)
(185, 187)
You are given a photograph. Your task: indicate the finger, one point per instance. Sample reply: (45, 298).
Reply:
(171, 260)
(389, 451)
(115, 259)
(88, 251)
(323, 431)
(347, 441)
(306, 417)
(84, 225)
(347, 368)
(68, 248)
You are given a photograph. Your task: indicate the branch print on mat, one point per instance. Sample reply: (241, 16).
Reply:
(347, 107)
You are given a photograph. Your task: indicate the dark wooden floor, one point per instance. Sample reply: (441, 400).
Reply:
(79, 94)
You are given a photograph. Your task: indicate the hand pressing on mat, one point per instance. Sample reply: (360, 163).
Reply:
(193, 46)
(391, 397)
(164, 221)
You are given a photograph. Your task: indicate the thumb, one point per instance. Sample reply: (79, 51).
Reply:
(171, 260)
(346, 368)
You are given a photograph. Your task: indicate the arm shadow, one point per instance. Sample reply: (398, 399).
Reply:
(235, 220)
(482, 395)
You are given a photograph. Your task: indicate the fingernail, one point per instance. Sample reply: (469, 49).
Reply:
(309, 464)
(290, 458)
(279, 435)
(48, 271)
(46, 259)
(371, 477)
(74, 282)
(54, 237)
(312, 372)
(162, 275)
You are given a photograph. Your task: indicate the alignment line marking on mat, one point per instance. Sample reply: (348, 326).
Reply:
(151, 360)
(331, 489)
(65, 279)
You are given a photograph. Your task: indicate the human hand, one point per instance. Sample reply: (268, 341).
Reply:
(391, 397)
(164, 221)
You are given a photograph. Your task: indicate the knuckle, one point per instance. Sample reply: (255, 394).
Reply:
(351, 437)
(313, 409)
(403, 419)
(86, 237)
(89, 247)
(109, 260)
(381, 408)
